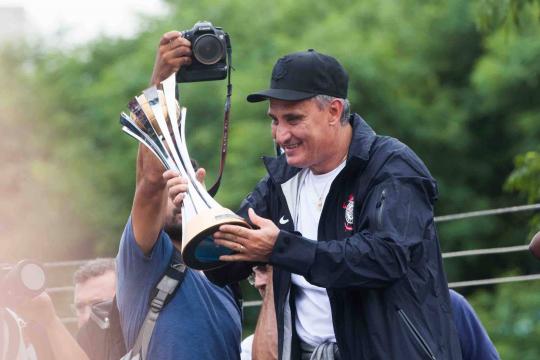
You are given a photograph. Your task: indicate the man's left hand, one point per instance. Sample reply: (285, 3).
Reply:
(39, 309)
(174, 51)
(249, 244)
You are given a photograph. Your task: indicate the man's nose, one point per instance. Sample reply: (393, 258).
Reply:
(281, 134)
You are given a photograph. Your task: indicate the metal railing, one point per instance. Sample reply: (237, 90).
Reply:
(446, 255)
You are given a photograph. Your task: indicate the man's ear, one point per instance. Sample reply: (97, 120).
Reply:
(335, 109)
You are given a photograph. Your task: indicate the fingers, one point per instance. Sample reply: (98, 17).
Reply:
(177, 185)
(177, 193)
(173, 42)
(174, 52)
(228, 237)
(200, 175)
(235, 257)
(256, 219)
(232, 237)
(180, 43)
(168, 36)
(171, 37)
(170, 174)
(233, 245)
(248, 244)
(177, 50)
(230, 231)
(177, 196)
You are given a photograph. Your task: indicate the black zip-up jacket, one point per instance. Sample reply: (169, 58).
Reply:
(378, 255)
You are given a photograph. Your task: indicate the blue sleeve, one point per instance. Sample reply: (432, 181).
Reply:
(473, 338)
(137, 275)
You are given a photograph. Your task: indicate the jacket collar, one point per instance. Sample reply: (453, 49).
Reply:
(362, 139)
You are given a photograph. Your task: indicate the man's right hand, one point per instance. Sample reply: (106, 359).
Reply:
(174, 51)
(178, 186)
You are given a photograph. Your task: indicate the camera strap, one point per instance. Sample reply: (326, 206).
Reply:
(224, 139)
(162, 294)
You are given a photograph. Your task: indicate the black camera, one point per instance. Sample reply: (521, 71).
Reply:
(20, 339)
(211, 48)
(25, 280)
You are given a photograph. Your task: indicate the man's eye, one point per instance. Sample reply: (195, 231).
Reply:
(294, 120)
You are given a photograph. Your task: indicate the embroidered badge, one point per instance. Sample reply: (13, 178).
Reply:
(349, 213)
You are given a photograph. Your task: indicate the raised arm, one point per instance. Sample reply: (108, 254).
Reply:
(41, 310)
(150, 201)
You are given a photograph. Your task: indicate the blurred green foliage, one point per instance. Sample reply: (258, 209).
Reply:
(511, 315)
(458, 81)
(526, 179)
(510, 15)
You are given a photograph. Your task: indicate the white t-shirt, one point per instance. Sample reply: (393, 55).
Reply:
(246, 348)
(313, 315)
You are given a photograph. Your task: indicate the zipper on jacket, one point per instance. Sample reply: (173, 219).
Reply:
(416, 334)
(381, 208)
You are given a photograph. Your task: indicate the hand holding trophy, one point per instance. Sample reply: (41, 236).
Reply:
(157, 121)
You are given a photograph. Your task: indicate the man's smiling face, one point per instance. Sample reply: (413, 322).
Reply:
(303, 130)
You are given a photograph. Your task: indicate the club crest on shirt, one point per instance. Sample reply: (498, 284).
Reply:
(349, 212)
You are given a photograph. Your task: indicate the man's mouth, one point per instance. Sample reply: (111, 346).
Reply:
(291, 146)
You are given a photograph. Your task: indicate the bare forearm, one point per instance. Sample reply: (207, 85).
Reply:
(63, 345)
(149, 204)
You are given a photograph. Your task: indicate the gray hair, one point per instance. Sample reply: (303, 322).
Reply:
(94, 268)
(324, 100)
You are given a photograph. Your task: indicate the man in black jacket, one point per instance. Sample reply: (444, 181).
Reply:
(346, 218)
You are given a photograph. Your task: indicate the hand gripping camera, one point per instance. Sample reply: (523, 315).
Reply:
(211, 49)
(22, 281)
(25, 280)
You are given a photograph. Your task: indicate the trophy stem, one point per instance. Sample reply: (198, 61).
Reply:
(181, 157)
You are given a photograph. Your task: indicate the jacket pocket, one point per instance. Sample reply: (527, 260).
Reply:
(416, 336)
(380, 209)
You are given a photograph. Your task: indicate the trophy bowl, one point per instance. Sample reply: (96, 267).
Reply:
(158, 122)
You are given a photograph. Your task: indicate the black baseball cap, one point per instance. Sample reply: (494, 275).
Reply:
(305, 74)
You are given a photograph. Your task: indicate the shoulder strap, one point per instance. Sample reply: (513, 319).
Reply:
(163, 293)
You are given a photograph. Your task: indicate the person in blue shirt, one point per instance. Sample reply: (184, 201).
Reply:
(473, 338)
(202, 320)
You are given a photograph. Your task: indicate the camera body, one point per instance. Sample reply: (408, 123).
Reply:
(209, 46)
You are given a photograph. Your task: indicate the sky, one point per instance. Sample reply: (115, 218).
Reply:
(84, 20)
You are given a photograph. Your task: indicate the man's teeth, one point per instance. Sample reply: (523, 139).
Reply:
(291, 146)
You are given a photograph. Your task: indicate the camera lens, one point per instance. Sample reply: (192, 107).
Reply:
(32, 276)
(208, 49)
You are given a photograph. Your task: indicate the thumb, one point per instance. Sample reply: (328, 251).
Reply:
(200, 174)
(256, 219)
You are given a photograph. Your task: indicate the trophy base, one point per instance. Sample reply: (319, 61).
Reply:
(199, 251)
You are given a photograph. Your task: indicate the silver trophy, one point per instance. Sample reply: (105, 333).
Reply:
(157, 121)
